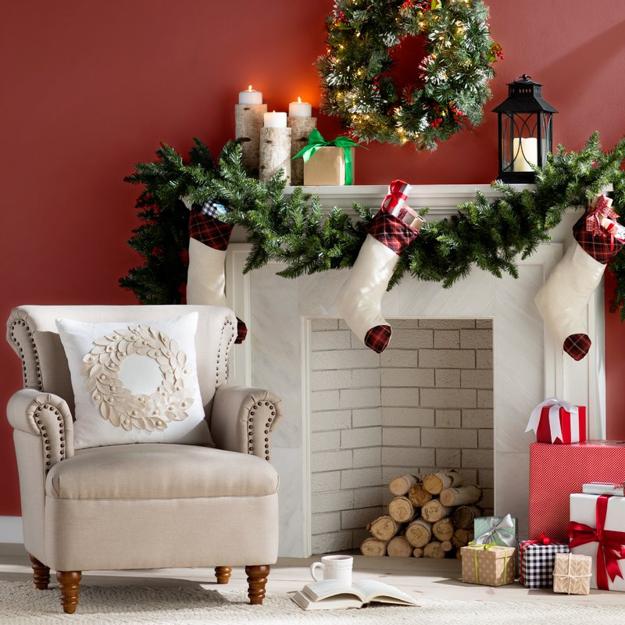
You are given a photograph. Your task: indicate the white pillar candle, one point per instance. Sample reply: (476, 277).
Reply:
(300, 109)
(525, 153)
(250, 96)
(274, 120)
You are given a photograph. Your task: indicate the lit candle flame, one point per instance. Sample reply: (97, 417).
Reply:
(299, 100)
(249, 88)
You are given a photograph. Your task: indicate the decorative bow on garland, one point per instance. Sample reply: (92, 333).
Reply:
(396, 196)
(502, 533)
(601, 218)
(316, 141)
(555, 426)
(611, 547)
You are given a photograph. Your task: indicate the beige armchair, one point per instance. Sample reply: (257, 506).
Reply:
(143, 505)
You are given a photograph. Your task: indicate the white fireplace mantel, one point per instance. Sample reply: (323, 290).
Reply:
(442, 199)
(528, 365)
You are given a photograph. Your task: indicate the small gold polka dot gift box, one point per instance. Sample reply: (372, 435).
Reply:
(489, 565)
(572, 573)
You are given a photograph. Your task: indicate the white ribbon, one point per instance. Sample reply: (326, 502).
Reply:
(555, 427)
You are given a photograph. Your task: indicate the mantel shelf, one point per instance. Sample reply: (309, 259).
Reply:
(442, 199)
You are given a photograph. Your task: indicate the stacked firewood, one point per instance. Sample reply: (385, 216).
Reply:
(431, 517)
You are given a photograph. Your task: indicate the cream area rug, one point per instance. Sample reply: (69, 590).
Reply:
(192, 604)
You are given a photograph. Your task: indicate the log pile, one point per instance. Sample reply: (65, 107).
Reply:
(428, 517)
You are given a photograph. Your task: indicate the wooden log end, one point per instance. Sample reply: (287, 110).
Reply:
(401, 484)
(399, 547)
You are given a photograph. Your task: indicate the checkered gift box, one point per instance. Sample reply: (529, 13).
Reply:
(536, 562)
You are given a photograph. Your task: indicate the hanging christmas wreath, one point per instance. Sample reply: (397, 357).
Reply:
(449, 86)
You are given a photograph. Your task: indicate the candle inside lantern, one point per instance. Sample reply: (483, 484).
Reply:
(250, 96)
(274, 120)
(300, 109)
(525, 153)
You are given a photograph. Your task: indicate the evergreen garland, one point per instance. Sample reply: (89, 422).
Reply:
(451, 81)
(293, 229)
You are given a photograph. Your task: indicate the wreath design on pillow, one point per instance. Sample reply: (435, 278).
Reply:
(116, 403)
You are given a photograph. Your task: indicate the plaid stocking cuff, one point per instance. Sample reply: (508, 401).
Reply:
(209, 230)
(602, 247)
(577, 345)
(378, 338)
(392, 232)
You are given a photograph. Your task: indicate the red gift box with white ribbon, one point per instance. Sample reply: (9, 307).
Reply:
(556, 421)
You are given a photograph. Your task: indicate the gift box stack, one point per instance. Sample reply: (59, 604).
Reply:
(576, 505)
(490, 559)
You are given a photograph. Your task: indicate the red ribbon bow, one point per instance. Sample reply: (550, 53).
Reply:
(396, 196)
(542, 539)
(611, 547)
(594, 217)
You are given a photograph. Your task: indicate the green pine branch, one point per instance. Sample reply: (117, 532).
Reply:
(294, 230)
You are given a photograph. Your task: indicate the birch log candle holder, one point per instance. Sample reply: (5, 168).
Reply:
(301, 124)
(275, 147)
(301, 127)
(248, 121)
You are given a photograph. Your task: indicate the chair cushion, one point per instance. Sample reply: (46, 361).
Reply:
(158, 471)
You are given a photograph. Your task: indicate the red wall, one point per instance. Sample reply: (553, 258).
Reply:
(90, 88)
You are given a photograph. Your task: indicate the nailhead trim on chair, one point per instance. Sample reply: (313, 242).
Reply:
(21, 321)
(47, 446)
(223, 353)
(268, 424)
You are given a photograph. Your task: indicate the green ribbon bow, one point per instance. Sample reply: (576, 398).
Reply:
(316, 141)
(500, 530)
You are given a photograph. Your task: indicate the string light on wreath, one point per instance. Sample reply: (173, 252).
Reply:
(456, 68)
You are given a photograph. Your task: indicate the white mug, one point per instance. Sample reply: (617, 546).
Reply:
(334, 567)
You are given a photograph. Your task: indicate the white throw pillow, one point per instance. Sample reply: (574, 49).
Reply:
(134, 382)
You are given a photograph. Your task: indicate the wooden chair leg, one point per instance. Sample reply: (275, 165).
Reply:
(223, 574)
(41, 573)
(69, 581)
(257, 579)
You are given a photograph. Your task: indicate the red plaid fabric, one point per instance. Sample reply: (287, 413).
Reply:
(208, 230)
(577, 345)
(378, 338)
(392, 232)
(602, 247)
(241, 331)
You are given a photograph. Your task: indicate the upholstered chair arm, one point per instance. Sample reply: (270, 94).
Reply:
(47, 416)
(242, 419)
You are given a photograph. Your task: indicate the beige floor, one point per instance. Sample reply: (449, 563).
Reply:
(436, 579)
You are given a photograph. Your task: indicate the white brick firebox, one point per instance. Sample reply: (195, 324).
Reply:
(284, 353)
(425, 403)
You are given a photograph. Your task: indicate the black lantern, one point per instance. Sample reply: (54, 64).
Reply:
(525, 131)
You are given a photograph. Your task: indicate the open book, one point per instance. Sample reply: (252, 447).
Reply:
(332, 594)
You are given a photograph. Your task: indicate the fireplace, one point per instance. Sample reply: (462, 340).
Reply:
(284, 317)
(424, 404)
